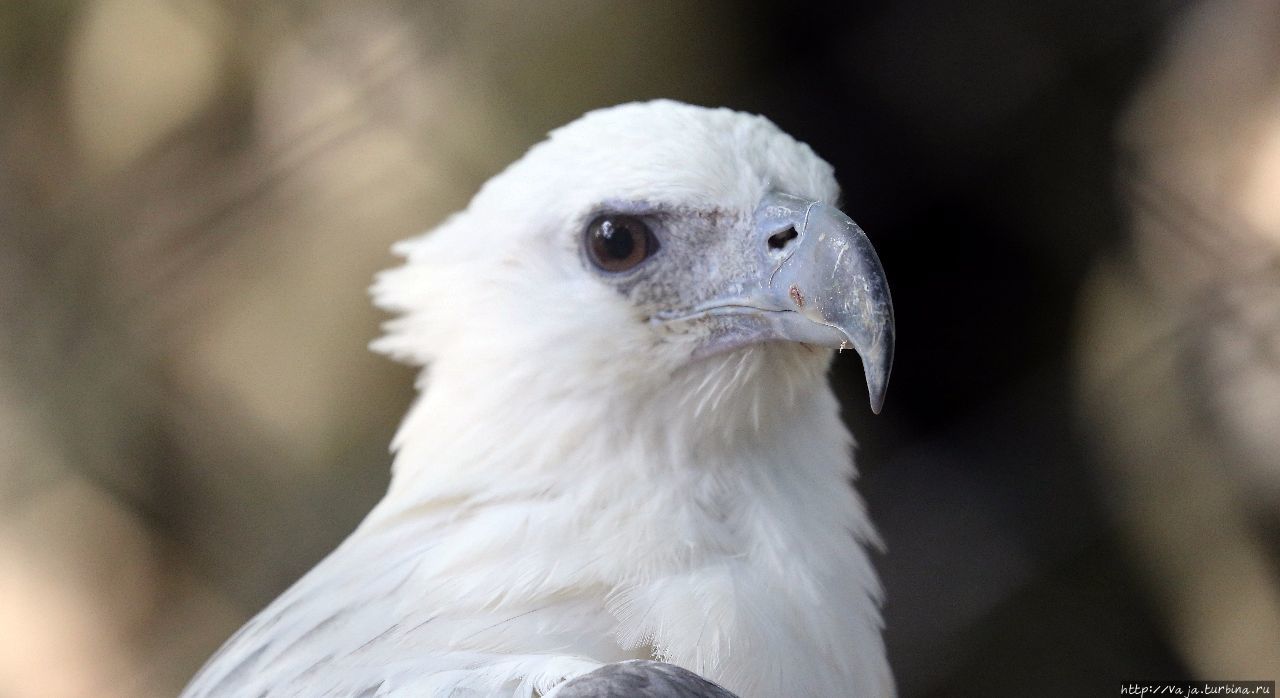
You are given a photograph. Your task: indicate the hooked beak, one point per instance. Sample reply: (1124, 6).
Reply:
(819, 282)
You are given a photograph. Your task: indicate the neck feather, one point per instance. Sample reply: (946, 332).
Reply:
(699, 513)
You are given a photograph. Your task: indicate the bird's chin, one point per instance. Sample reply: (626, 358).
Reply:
(730, 332)
(736, 344)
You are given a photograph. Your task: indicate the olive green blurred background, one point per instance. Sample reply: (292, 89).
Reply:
(1077, 204)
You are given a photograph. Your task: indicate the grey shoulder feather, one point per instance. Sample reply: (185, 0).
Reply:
(641, 679)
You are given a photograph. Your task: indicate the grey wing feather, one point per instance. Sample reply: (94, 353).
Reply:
(641, 679)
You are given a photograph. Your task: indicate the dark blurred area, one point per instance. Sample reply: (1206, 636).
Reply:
(1077, 471)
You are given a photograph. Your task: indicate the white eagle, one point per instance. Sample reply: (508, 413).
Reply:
(625, 447)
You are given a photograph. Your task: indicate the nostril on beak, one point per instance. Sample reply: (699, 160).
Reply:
(780, 240)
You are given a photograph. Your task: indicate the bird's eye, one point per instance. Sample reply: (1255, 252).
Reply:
(618, 243)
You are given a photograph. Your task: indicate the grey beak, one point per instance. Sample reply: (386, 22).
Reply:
(828, 273)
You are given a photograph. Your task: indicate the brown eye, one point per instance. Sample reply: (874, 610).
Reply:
(619, 243)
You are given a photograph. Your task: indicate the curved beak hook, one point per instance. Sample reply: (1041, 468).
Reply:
(831, 276)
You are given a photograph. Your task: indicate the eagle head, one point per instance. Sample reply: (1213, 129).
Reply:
(667, 253)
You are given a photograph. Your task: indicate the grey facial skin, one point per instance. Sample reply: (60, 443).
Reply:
(797, 270)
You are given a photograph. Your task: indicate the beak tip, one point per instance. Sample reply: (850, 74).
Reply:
(876, 394)
(877, 375)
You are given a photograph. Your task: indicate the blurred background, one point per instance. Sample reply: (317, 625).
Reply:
(1077, 203)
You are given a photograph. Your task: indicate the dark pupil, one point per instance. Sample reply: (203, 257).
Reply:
(616, 241)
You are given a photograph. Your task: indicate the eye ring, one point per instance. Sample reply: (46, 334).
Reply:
(617, 243)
